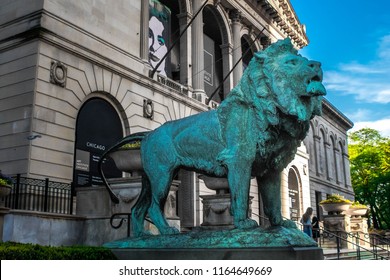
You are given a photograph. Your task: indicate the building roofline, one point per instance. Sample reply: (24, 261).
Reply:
(330, 108)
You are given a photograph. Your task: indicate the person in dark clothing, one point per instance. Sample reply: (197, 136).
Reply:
(316, 228)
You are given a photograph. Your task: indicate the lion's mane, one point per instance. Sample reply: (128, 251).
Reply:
(255, 92)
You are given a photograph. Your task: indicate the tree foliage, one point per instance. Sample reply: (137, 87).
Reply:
(370, 173)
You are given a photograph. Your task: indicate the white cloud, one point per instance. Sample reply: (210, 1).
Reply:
(383, 126)
(384, 48)
(360, 68)
(359, 115)
(369, 82)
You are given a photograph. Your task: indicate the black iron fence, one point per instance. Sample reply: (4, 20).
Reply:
(40, 195)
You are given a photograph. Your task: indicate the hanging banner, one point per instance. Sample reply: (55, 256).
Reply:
(159, 37)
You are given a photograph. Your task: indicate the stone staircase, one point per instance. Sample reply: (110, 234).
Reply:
(351, 254)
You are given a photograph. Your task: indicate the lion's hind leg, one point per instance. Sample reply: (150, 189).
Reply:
(139, 210)
(160, 188)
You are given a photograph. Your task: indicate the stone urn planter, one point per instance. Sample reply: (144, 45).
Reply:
(354, 211)
(128, 160)
(220, 185)
(335, 208)
(335, 204)
(5, 190)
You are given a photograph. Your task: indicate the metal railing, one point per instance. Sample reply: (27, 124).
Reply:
(124, 218)
(40, 195)
(377, 248)
(172, 84)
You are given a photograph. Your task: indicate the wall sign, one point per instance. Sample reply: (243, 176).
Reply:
(98, 128)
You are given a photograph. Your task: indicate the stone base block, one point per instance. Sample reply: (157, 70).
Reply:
(278, 253)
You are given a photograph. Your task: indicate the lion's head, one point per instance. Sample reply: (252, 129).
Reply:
(280, 78)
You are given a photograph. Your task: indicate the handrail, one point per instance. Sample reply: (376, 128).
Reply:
(356, 235)
(128, 216)
(338, 236)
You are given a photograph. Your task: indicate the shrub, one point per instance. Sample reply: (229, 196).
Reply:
(335, 198)
(17, 251)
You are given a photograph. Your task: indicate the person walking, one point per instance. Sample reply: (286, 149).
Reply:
(306, 222)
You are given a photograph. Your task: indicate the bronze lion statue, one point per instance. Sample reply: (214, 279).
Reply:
(254, 132)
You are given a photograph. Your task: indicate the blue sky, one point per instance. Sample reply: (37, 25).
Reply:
(352, 41)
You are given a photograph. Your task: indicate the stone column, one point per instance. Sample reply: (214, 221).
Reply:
(235, 16)
(285, 207)
(185, 51)
(226, 66)
(198, 53)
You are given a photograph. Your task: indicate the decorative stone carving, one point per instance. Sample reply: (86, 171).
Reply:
(58, 73)
(148, 109)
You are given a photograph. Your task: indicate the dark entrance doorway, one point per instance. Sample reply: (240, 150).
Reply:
(98, 127)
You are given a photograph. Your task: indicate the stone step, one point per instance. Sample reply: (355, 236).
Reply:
(351, 254)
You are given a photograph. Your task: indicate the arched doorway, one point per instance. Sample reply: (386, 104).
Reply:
(98, 127)
(293, 194)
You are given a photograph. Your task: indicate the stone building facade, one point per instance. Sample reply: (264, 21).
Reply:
(73, 72)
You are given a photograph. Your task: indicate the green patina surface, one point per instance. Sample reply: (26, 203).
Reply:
(236, 238)
(254, 132)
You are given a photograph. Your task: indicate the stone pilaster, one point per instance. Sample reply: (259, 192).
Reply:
(185, 51)
(235, 16)
(198, 53)
(347, 169)
(285, 207)
(144, 50)
(338, 162)
(328, 155)
(226, 64)
(317, 143)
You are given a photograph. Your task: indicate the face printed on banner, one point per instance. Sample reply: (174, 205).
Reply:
(157, 44)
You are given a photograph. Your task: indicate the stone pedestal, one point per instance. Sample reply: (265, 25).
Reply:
(338, 224)
(95, 205)
(359, 227)
(278, 253)
(216, 211)
(216, 208)
(274, 243)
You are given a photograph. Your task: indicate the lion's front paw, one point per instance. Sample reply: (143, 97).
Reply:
(288, 224)
(245, 224)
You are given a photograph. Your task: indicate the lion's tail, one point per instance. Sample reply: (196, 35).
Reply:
(128, 139)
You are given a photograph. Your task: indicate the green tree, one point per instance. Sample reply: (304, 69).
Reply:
(370, 173)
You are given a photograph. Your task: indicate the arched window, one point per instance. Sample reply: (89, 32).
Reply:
(332, 160)
(341, 164)
(322, 152)
(311, 149)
